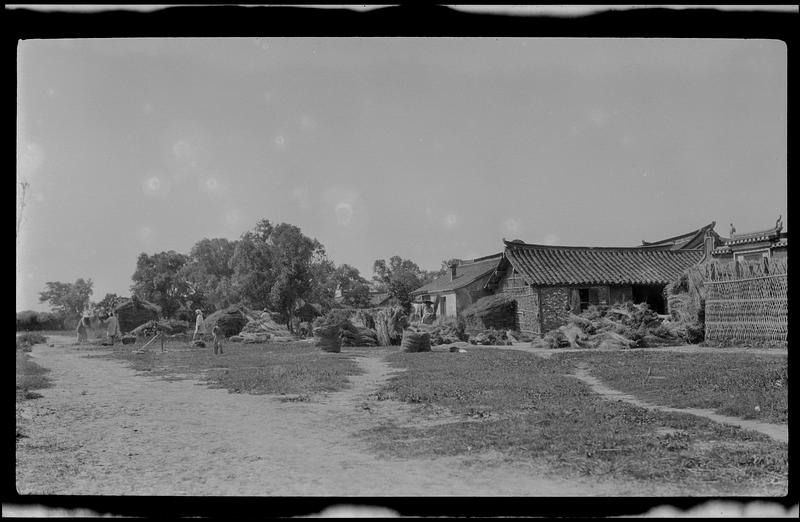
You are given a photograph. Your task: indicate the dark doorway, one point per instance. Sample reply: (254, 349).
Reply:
(653, 295)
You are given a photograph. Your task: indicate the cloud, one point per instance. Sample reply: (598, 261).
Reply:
(345, 204)
(450, 220)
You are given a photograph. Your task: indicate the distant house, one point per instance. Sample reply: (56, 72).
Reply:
(461, 286)
(134, 312)
(753, 246)
(381, 299)
(688, 241)
(549, 282)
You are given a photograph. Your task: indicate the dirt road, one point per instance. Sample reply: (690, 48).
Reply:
(105, 429)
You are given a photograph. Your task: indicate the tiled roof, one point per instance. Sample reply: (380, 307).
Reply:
(543, 265)
(688, 240)
(467, 272)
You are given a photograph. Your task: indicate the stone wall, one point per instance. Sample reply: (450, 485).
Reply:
(527, 298)
(555, 302)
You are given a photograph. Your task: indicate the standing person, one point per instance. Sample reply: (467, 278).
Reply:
(199, 326)
(113, 330)
(218, 338)
(83, 324)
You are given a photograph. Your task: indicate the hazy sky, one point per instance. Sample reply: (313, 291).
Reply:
(428, 148)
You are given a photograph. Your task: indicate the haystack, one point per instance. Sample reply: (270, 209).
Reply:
(231, 320)
(328, 338)
(135, 312)
(416, 341)
(261, 326)
(498, 311)
(389, 325)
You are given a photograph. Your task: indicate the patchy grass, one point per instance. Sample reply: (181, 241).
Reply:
(28, 339)
(285, 368)
(730, 383)
(535, 412)
(29, 376)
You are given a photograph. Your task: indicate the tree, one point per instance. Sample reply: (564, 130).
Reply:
(160, 279)
(354, 288)
(209, 273)
(399, 277)
(252, 265)
(108, 302)
(67, 299)
(293, 256)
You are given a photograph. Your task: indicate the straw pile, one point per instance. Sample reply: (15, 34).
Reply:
(166, 326)
(623, 326)
(262, 327)
(135, 312)
(686, 300)
(415, 341)
(490, 337)
(389, 325)
(498, 311)
(230, 320)
(329, 338)
(351, 334)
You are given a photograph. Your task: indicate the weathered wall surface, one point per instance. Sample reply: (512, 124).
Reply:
(555, 306)
(527, 298)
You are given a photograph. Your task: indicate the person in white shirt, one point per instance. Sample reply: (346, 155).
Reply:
(199, 326)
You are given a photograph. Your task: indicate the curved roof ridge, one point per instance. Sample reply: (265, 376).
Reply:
(513, 244)
(690, 235)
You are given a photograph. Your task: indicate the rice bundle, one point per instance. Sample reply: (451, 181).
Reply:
(494, 311)
(328, 338)
(490, 338)
(389, 325)
(135, 312)
(261, 326)
(414, 342)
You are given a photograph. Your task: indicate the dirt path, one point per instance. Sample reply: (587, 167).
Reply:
(105, 429)
(778, 432)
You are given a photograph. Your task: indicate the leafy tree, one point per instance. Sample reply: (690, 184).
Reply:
(160, 279)
(323, 282)
(67, 299)
(354, 288)
(293, 257)
(252, 265)
(399, 277)
(209, 273)
(108, 302)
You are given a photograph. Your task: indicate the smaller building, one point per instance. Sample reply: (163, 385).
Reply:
(134, 312)
(461, 286)
(550, 282)
(753, 246)
(688, 241)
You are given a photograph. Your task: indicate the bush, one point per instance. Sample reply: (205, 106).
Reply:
(30, 320)
(28, 339)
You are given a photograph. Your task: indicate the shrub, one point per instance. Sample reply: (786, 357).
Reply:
(30, 320)
(28, 339)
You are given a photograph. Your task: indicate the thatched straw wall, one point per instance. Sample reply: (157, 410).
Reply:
(136, 312)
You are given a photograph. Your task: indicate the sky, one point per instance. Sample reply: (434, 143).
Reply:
(427, 148)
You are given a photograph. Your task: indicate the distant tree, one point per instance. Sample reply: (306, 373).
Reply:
(108, 302)
(399, 277)
(323, 282)
(293, 256)
(354, 288)
(252, 264)
(67, 299)
(209, 273)
(160, 279)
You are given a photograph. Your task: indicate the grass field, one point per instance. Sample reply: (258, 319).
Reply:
(29, 376)
(730, 383)
(285, 368)
(527, 408)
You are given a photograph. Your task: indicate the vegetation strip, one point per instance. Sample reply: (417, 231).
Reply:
(776, 431)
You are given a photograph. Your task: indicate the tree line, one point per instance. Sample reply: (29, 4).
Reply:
(271, 266)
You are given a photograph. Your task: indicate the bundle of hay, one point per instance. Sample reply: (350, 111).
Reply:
(445, 334)
(230, 320)
(358, 336)
(390, 324)
(622, 326)
(490, 337)
(498, 311)
(263, 326)
(329, 338)
(416, 341)
(166, 326)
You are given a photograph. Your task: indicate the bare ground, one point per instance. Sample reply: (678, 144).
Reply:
(104, 429)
